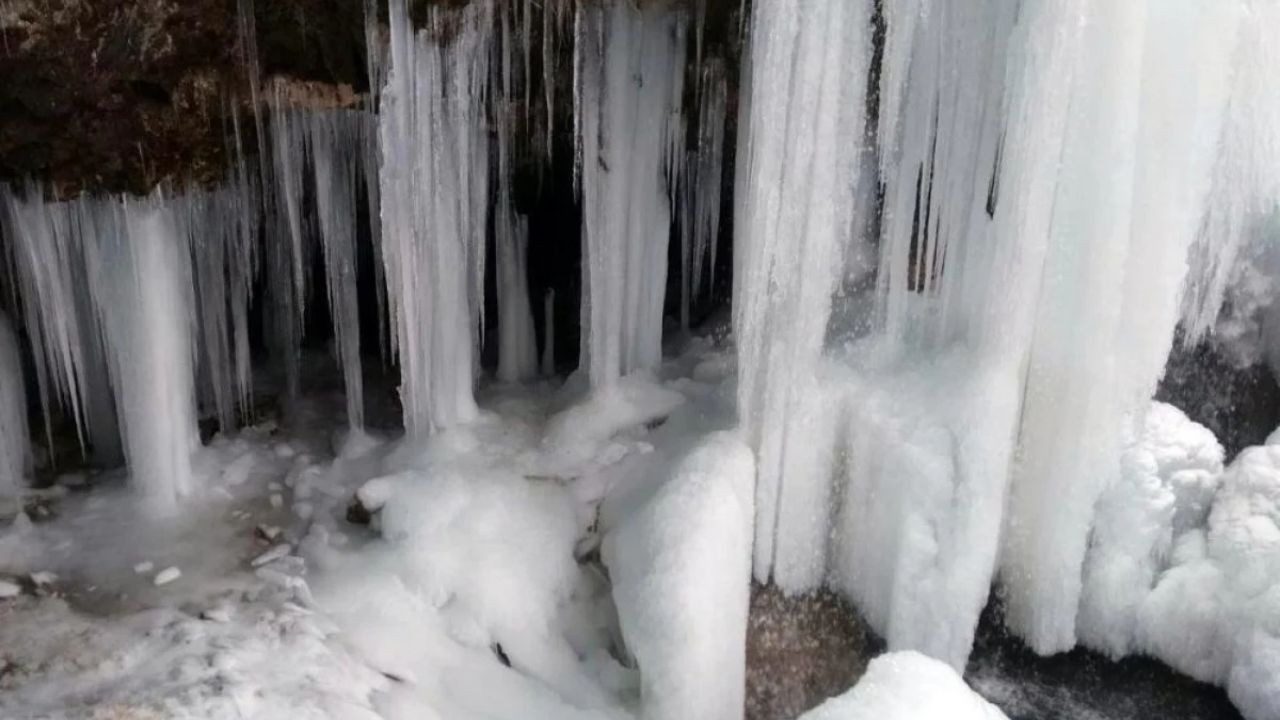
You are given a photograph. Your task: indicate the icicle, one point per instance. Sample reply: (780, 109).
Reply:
(46, 245)
(628, 118)
(335, 142)
(1245, 180)
(701, 187)
(549, 333)
(434, 191)
(805, 132)
(15, 438)
(517, 341)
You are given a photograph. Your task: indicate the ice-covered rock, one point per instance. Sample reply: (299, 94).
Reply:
(1169, 472)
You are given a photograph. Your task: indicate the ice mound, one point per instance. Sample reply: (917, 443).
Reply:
(1215, 613)
(492, 547)
(907, 686)
(1168, 474)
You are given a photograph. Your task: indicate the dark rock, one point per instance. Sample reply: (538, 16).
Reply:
(802, 651)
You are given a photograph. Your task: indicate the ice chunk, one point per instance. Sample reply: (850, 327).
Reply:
(166, 576)
(9, 589)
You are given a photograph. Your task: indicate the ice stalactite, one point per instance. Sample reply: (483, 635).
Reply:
(15, 437)
(701, 184)
(140, 275)
(70, 364)
(629, 76)
(288, 266)
(549, 333)
(44, 248)
(220, 228)
(336, 144)
(434, 189)
(1146, 77)
(804, 135)
(1245, 180)
(1033, 249)
(517, 341)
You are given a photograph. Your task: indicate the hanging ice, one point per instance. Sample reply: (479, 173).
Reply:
(336, 144)
(140, 276)
(517, 342)
(434, 191)
(804, 130)
(629, 78)
(701, 184)
(15, 439)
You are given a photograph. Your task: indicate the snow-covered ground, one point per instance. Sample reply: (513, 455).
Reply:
(477, 588)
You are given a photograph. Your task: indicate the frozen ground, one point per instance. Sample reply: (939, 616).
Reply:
(493, 572)
(471, 586)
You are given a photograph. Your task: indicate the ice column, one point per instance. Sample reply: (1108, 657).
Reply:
(141, 277)
(627, 109)
(517, 342)
(434, 191)
(796, 177)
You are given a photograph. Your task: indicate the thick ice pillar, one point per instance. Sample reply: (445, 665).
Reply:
(434, 188)
(796, 177)
(629, 79)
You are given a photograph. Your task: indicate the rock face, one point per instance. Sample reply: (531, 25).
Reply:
(802, 651)
(122, 95)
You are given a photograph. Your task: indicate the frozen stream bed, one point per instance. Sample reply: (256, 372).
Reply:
(473, 578)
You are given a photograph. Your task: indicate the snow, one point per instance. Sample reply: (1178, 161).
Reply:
(681, 571)
(907, 686)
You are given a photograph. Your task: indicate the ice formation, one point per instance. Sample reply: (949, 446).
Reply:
(681, 571)
(140, 277)
(517, 339)
(1030, 210)
(434, 181)
(337, 145)
(1170, 471)
(701, 183)
(804, 130)
(629, 80)
(15, 440)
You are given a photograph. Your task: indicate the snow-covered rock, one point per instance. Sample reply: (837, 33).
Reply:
(681, 570)
(1215, 614)
(1169, 471)
(907, 686)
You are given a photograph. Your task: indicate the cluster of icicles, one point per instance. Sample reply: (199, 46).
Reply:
(1010, 206)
